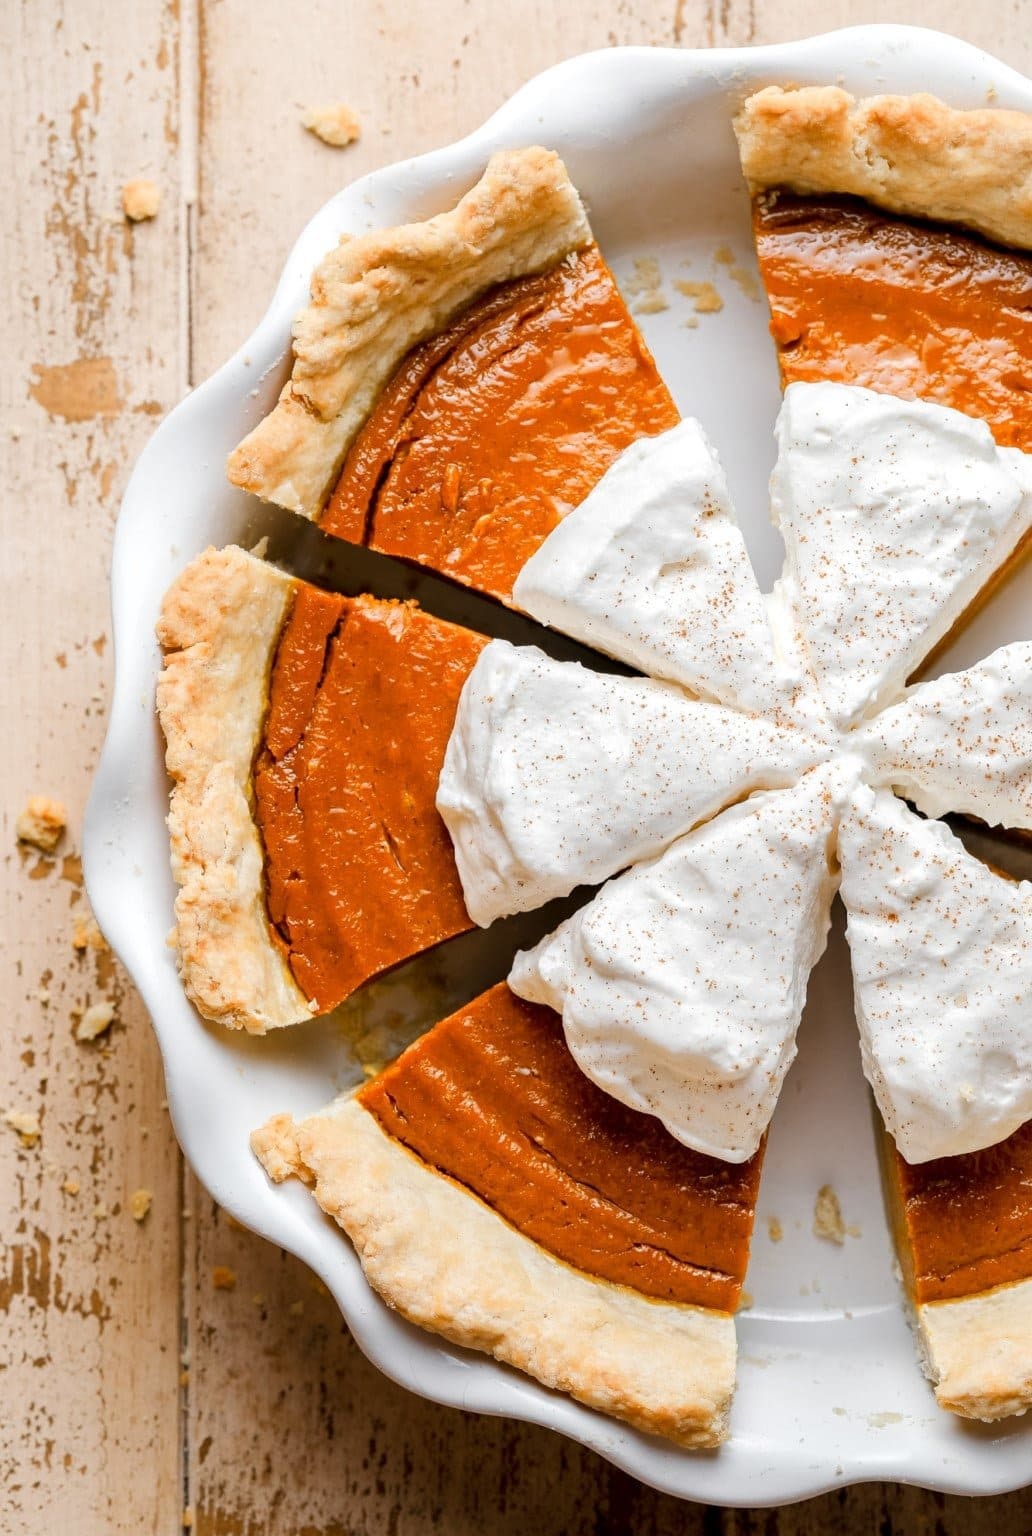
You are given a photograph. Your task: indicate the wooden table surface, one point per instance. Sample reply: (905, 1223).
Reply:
(135, 1395)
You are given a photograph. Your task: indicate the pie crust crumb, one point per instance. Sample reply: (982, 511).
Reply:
(704, 296)
(827, 1216)
(141, 199)
(223, 1278)
(25, 1123)
(86, 934)
(42, 822)
(96, 1020)
(775, 1231)
(645, 287)
(140, 1203)
(334, 123)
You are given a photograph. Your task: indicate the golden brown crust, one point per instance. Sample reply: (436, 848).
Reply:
(448, 1263)
(377, 295)
(218, 627)
(909, 154)
(978, 1351)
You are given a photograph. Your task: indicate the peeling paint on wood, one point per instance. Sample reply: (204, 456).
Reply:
(77, 391)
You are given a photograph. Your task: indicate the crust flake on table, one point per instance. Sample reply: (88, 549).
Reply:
(377, 295)
(447, 1262)
(219, 625)
(978, 1351)
(41, 822)
(908, 154)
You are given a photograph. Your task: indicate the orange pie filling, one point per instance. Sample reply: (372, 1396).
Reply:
(492, 430)
(965, 1222)
(897, 305)
(492, 1098)
(358, 864)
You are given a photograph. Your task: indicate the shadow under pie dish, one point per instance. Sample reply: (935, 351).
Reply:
(438, 488)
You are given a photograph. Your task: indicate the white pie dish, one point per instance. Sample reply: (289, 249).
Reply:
(830, 1391)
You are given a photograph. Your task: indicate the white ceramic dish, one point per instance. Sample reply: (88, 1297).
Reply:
(829, 1387)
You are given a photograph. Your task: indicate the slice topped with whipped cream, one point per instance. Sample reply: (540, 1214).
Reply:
(682, 984)
(895, 514)
(652, 568)
(633, 763)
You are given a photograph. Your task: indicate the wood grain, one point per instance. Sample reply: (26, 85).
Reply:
(288, 1430)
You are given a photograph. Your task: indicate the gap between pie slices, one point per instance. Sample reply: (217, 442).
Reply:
(371, 331)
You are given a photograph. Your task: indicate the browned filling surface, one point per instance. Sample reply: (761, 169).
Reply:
(492, 1098)
(495, 428)
(359, 867)
(964, 1224)
(904, 307)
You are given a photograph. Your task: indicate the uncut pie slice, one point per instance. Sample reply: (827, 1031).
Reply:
(305, 734)
(459, 385)
(894, 238)
(495, 1196)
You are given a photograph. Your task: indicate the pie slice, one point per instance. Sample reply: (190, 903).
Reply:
(894, 238)
(305, 735)
(896, 515)
(495, 1196)
(962, 743)
(963, 1231)
(459, 385)
(681, 985)
(557, 776)
(941, 949)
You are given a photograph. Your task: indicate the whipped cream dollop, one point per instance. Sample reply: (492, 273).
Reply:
(941, 950)
(557, 776)
(962, 742)
(652, 568)
(895, 513)
(682, 983)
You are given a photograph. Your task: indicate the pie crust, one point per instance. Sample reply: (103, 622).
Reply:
(379, 294)
(977, 1351)
(443, 1259)
(219, 625)
(910, 154)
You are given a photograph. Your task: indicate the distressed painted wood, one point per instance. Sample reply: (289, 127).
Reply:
(89, 1298)
(278, 1426)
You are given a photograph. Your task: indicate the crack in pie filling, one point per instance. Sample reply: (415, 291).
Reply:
(355, 781)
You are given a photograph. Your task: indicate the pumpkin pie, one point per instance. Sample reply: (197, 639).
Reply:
(894, 238)
(305, 734)
(497, 1197)
(458, 385)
